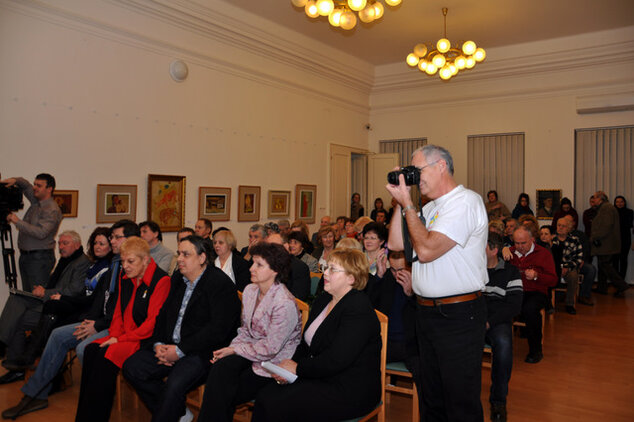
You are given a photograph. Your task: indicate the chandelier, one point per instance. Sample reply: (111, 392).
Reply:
(341, 13)
(445, 59)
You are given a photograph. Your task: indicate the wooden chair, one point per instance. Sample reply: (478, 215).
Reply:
(398, 369)
(487, 356)
(520, 324)
(121, 382)
(314, 282)
(562, 288)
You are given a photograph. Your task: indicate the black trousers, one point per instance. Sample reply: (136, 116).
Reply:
(98, 386)
(532, 304)
(451, 339)
(231, 382)
(608, 272)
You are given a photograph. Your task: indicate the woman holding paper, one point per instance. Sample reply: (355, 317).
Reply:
(338, 360)
(270, 332)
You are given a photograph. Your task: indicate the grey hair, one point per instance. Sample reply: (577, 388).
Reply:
(72, 234)
(436, 152)
(258, 228)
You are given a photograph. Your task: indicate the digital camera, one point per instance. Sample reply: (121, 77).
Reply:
(411, 174)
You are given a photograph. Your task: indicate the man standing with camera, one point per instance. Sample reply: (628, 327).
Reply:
(37, 231)
(449, 273)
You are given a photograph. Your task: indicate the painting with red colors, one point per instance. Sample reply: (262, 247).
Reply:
(166, 201)
(305, 203)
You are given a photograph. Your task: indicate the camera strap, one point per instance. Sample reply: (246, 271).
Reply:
(407, 244)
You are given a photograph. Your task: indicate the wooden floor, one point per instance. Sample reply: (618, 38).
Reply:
(587, 374)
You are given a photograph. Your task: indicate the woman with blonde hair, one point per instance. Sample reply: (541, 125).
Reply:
(229, 260)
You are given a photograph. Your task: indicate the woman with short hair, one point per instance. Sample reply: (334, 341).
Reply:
(229, 260)
(297, 244)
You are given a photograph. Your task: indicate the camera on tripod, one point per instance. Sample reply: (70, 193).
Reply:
(10, 201)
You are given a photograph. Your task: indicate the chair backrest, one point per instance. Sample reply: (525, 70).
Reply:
(314, 282)
(303, 308)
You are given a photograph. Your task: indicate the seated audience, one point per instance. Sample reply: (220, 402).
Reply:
(503, 294)
(151, 233)
(381, 217)
(298, 280)
(350, 232)
(204, 229)
(568, 254)
(285, 226)
(200, 315)
(180, 235)
(522, 207)
(565, 208)
(324, 222)
(23, 310)
(546, 236)
(341, 224)
(270, 332)
(374, 237)
(338, 360)
(142, 291)
(297, 243)
(626, 217)
(530, 222)
(271, 227)
(496, 226)
(378, 206)
(257, 232)
(356, 209)
(537, 268)
(496, 210)
(327, 243)
(510, 224)
(76, 335)
(300, 226)
(230, 261)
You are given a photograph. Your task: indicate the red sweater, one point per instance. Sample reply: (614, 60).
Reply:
(540, 260)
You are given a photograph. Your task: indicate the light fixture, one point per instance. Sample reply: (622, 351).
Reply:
(343, 13)
(445, 59)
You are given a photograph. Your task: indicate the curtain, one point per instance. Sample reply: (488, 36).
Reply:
(496, 162)
(405, 148)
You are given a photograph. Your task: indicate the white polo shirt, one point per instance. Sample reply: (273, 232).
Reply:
(461, 216)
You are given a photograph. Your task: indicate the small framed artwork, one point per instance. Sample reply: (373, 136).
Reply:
(214, 203)
(116, 202)
(67, 201)
(166, 201)
(548, 201)
(248, 203)
(305, 203)
(279, 203)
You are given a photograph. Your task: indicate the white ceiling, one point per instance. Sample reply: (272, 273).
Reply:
(490, 23)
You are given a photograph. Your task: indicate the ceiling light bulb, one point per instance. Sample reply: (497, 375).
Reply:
(439, 60)
(392, 2)
(470, 62)
(299, 3)
(335, 17)
(412, 59)
(378, 10)
(479, 54)
(453, 68)
(445, 73)
(422, 65)
(356, 5)
(325, 7)
(311, 9)
(469, 47)
(367, 14)
(460, 62)
(443, 45)
(420, 50)
(348, 20)
(431, 69)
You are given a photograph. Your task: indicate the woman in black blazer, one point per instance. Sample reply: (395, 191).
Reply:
(338, 360)
(229, 260)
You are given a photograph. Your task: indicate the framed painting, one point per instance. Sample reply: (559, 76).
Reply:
(214, 203)
(116, 202)
(548, 201)
(248, 203)
(166, 201)
(67, 201)
(305, 203)
(279, 203)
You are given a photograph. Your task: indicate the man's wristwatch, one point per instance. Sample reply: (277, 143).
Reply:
(409, 207)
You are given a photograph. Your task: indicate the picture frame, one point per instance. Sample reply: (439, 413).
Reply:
(116, 202)
(279, 203)
(305, 203)
(67, 201)
(547, 203)
(166, 201)
(214, 203)
(248, 203)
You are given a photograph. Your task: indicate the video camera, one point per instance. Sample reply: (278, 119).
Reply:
(10, 201)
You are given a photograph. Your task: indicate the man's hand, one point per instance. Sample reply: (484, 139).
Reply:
(39, 291)
(400, 192)
(56, 296)
(531, 274)
(85, 329)
(404, 278)
(12, 218)
(166, 354)
(9, 182)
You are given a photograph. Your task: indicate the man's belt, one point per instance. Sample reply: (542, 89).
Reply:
(447, 300)
(34, 251)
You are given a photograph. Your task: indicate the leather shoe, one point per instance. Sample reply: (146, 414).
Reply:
(26, 405)
(11, 376)
(498, 413)
(17, 365)
(585, 301)
(534, 357)
(571, 310)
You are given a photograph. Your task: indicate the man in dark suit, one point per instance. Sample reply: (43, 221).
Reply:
(200, 315)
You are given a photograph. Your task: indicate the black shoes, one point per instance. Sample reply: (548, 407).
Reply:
(19, 365)
(498, 413)
(534, 357)
(26, 405)
(571, 310)
(11, 376)
(585, 301)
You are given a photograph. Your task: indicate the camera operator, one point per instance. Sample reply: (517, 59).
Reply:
(37, 231)
(449, 273)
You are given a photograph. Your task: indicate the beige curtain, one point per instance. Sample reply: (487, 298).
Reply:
(405, 148)
(603, 161)
(496, 162)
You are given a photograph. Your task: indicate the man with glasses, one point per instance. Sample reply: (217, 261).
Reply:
(448, 275)
(77, 335)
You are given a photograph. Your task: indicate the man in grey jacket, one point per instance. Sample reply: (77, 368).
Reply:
(606, 242)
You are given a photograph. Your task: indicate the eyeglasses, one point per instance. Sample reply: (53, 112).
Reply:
(425, 166)
(371, 238)
(332, 269)
(116, 236)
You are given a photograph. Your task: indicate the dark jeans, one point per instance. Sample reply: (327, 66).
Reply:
(164, 399)
(589, 273)
(608, 272)
(35, 268)
(231, 382)
(532, 304)
(500, 338)
(620, 260)
(451, 339)
(98, 385)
